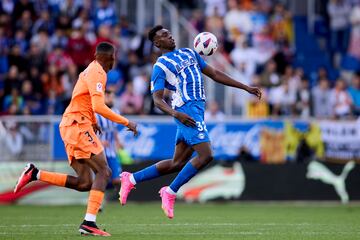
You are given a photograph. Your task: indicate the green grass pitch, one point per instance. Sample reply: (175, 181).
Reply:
(192, 221)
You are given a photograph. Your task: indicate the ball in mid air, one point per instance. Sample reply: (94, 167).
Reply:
(205, 43)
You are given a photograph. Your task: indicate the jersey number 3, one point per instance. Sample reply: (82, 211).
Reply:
(89, 136)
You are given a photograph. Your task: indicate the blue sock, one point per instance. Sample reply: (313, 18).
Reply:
(146, 174)
(183, 177)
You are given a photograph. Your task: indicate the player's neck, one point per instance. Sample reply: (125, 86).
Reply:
(164, 51)
(102, 65)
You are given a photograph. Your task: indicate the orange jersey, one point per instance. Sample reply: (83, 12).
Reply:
(91, 82)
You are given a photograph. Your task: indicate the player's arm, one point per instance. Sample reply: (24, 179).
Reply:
(223, 78)
(160, 103)
(158, 82)
(96, 84)
(99, 106)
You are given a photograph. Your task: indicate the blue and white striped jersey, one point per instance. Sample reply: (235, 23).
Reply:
(108, 134)
(180, 71)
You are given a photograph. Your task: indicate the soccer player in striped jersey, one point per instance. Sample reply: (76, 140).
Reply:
(180, 70)
(109, 139)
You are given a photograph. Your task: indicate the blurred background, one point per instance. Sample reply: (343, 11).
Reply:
(299, 142)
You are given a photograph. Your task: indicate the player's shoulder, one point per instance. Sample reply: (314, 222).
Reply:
(95, 68)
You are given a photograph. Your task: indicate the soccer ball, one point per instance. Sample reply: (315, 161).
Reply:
(205, 43)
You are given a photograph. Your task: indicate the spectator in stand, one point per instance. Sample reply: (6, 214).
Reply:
(248, 57)
(60, 59)
(22, 6)
(281, 25)
(212, 6)
(105, 14)
(339, 11)
(131, 103)
(36, 58)
(321, 99)
(70, 8)
(59, 38)
(16, 59)
(269, 77)
(31, 103)
(198, 20)
(354, 49)
(104, 35)
(215, 24)
(11, 141)
(257, 108)
(79, 49)
(282, 100)
(237, 21)
(64, 23)
(12, 80)
(213, 112)
(25, 23)
(41, 39)
(20, 40)
(303, 99)
(7, 6)
(13, 99)
(45, 22)
(354, 91)
(115, 81)
(4, 49)
(341, 100)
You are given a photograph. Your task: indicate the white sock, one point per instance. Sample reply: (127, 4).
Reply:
(132, 179)
(90, 217)
(38, 175)
(169, 190)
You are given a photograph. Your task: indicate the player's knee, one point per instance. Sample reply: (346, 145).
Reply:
(85, 186)
(177, 166)
(108, 173)
(207, 159)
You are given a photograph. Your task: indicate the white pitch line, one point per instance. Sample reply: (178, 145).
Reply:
(172, 224)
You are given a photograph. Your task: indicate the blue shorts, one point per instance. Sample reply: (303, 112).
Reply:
(192, 135)
(115, 167)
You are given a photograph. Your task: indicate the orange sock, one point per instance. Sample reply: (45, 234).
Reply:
(58, 179)
(95, 199)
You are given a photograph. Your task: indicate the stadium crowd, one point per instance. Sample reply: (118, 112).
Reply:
(45, 44)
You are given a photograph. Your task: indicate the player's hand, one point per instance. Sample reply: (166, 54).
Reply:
(97, 128)
(255, 91)
(185, 119)
(132, 126)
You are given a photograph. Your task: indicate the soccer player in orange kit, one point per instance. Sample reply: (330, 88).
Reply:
(85, 151)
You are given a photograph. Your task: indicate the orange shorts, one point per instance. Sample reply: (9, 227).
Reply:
(80, 141)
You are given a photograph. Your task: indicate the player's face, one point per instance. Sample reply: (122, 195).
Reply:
(110, 61)
(164, 40)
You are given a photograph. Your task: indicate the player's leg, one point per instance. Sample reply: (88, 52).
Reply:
(102, 172)
(82, 182)
(182, 154)
(168, 194)
(115, 167)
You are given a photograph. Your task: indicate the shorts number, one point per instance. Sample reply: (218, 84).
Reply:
(201, 126)
(89, 136)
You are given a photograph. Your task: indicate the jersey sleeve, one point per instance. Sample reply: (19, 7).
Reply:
(96, 82)
(202, 63)
(158, 79)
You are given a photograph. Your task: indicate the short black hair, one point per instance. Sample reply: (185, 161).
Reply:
(153, 31)
(105, 48)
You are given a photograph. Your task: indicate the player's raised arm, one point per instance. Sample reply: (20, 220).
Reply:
(223, 78)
